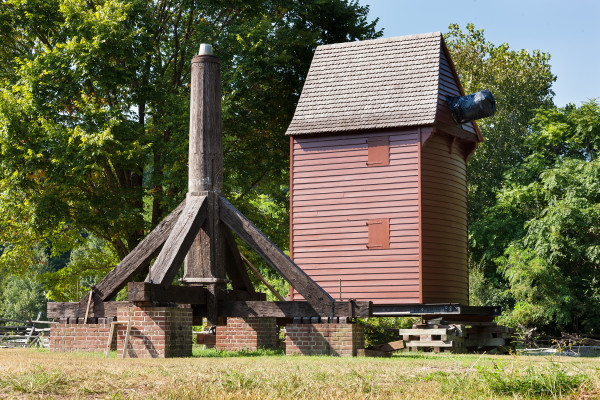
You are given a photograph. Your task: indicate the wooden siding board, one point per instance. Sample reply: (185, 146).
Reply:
(341, 191)
(356, 168)
(367, 276)
(354, 212)
(394, 180)
(351, 163)
(321, 219)
(358, 267)
(404, 204)
(332, 203)
(339, 155)
(341, 251)
(444, 208)
(359, 175)
(354, 198)
(349, 259)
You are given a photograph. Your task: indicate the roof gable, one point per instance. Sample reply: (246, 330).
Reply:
(372, 84)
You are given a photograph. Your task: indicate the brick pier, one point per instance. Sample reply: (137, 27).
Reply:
(247, 334)
(336, 339)
(156, 332)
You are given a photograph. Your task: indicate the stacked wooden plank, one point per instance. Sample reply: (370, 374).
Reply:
(459, 337)
(436, 338)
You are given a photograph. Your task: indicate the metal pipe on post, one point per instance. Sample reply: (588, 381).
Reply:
(204, 262)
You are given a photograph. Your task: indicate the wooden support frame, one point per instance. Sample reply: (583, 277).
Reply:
(234, 264)
(291, 309)
(281, 263)
(179, 242)
(72, 310)
(134, 262)
(145, 292)
(201, 229)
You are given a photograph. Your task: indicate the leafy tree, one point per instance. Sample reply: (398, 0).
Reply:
(23, 297)
(521, 83)
(542, 234)
(94, 100)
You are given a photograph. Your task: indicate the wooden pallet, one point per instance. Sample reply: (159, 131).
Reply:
(445, 336)
(438, 339)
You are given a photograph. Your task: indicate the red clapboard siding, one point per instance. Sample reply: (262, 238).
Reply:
(335, 193)
(444, 221)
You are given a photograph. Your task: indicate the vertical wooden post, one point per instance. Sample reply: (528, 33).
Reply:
(204, 262)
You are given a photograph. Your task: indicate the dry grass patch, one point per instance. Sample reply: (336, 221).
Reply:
(42, 374)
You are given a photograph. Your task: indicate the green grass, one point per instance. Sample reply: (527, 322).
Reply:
(265, 374)
(546, 380)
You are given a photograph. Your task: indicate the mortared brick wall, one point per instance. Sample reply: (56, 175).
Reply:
(247, 334)
(80, 337)
(336, 339)
(156, 332)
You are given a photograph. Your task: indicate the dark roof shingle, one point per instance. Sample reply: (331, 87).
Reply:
(373, 84)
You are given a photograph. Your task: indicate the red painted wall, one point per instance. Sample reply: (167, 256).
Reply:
(334, 194)
(444, 221)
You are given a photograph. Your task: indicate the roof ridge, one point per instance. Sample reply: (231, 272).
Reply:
(381, 40)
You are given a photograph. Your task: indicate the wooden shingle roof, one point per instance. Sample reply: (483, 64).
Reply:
(372, 84)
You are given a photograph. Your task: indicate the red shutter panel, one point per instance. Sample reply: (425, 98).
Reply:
(379, 151)
(379, 233)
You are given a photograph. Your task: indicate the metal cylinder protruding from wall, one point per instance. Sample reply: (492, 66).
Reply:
(472, 106)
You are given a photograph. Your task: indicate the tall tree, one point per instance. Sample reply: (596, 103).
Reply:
(521, 82)
(94, 109)
(541, 238)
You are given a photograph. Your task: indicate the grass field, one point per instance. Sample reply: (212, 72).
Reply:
(43, 374)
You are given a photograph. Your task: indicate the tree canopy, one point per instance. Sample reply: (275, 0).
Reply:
(540, 241)
(521, 82)
(94, 111)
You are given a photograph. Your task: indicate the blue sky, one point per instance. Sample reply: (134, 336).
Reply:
(568, 30)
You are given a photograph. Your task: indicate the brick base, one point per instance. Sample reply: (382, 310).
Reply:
(329, 338)
(247, 334)
(156, 332)
(80, 337)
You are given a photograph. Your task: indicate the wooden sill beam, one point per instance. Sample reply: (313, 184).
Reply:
(99, 310)
(144, 292)
(291, 309)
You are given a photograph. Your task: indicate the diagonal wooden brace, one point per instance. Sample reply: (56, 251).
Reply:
(179, 242)
(281, 263)
(234, 266)
(138, 259)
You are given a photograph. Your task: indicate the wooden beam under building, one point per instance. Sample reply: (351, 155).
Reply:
(292, 309)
